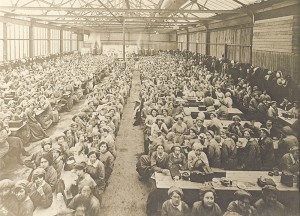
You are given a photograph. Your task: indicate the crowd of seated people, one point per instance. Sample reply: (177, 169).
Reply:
(71, 170)
(174, 136)
(37, 92)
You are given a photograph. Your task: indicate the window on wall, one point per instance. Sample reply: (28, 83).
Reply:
(66, 41)
(74, 42)
(17, 41)
(54, 41)
(40, 41)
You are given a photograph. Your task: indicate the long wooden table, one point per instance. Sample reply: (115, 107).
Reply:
(289, 196)
(286, 121)
(248, 178)
(195, 110)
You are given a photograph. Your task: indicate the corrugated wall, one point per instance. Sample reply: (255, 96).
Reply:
(276, 45)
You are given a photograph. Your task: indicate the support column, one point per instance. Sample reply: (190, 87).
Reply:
(5, 57)
(207, 41)
(187, 39)
(61, 45)
(31, 40)
(49, 40)
(124, 44)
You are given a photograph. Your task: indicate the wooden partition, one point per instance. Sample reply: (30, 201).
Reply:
(235, 43)
(276, 45)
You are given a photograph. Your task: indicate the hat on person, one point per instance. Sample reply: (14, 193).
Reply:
(287, 130)
(242, 194)
(47, 141)
(197, 146)
(265, 130)
(236, 117)
(175, 189)
(6, 183)
(206, 189)
(294, 148)
(269, 189)
(37, 172)
(202, 135)
(211, 133)
(22, 184)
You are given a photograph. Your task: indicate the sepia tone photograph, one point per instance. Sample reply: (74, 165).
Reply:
(149, 107)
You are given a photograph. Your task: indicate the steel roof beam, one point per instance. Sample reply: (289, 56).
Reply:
(120, 10)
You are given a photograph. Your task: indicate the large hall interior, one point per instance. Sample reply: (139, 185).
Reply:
(149, 107)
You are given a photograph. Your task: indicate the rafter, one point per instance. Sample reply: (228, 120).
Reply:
(120, 9)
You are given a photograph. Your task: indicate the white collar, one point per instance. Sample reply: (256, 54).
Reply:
(94, 164)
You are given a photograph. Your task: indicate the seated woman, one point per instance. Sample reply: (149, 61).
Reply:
(168, 120)
(25, 205)
(287, 140)
(36, 131)
(85, 202)
(197, 159)
(50, 173)
(179, 128)
(159, 160)
(46, 116)
(242, 204)
(106, 158)
(268, 204)
(266, 150)
(214, 123)
(206, 206)
(213, 150)
(295, 109)
(58, 161)
(96, 170)
(8, 200)
(236, 127)
(290, 161)
(175, 206)
(108, 138)
(8, 149)
(252, 156)
(33, 161)
(150, 119)
(159, 125)
(177, 158)
(40, 191)
(228, 152)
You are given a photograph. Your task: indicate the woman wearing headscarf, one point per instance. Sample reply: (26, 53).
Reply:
(197, 159)
(40, 191)
(206, 206)
(236, 127)
(177, 158)
(287, 140)
(242, 205)
(24, 204)
(46, 116)
(228, 152)
(266, 150)
(252, 156)
(213, 150)
(175, 206)
(268, 204)
(8, 200)
(85, 203)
